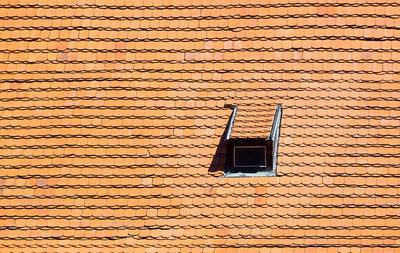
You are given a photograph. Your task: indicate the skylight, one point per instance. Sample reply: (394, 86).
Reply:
(253, 157)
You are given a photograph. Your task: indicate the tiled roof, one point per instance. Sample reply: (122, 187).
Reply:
(254, 120)
(112, 112)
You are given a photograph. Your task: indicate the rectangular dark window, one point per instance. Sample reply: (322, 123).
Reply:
(249, 156)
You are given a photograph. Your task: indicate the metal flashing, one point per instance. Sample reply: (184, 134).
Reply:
(231, 120)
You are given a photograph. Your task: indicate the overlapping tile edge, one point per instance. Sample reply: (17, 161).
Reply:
(111, 115)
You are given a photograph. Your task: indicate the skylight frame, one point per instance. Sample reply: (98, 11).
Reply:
(273, 138)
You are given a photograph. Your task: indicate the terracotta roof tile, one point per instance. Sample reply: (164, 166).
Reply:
(112, 118)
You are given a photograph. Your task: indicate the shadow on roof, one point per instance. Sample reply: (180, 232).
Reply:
(218, 161)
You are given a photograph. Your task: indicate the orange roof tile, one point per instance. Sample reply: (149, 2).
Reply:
(111, 118)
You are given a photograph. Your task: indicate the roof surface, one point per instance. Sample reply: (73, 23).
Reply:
(254, 118)
(112, 115)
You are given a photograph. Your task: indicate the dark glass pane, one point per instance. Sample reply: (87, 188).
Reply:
(250, 156)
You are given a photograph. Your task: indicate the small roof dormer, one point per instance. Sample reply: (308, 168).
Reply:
(252, 141)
